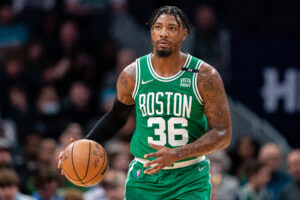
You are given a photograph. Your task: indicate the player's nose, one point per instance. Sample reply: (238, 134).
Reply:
(164, 33)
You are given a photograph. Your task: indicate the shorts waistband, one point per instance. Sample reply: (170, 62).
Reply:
(176, 165)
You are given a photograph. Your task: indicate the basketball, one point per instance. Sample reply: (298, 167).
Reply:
(84, 162)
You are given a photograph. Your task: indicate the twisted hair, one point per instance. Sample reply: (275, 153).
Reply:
(174, 11)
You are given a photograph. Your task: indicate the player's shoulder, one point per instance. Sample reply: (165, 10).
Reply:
(130, 71)
(207, 73)
(207, 69)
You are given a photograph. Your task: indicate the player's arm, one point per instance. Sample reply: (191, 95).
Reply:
(108, 125)
(217, 112)
(216, 109)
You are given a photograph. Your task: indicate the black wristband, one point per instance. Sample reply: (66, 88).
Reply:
(108, 125)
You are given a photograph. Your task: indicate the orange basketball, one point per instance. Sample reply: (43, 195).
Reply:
(84, 162)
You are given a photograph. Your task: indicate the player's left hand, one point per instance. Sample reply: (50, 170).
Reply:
(164, 156)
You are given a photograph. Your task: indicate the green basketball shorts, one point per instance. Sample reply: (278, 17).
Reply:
(191, 182)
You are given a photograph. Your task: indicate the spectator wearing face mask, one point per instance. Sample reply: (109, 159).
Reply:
(48, 119)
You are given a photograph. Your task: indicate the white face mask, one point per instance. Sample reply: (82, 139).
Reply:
(50, 108)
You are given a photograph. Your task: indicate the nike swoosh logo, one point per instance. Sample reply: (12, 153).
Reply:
(202, 168)
(145, 82)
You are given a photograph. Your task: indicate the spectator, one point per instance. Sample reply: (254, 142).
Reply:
(258, 177)
(79, 105)
(9, 183)
(5, 158)
(69, 38)
(18, 103)
(46, 152)
(35, 54)
(19, 109)
(12, 33)
(84, 68)
(270, 155)
(209, 40)
(120, 161)
(45, 182)
(73, 130)
(108, 85)
(96, 192)
(124, 58)
(224, 186)
(113, 185)
(48, 110)
(73, 194)
(31, 148)
(13, 73)
(245, 149)
(61, 55)
(292, 191)
(83, 8)
(8, 136)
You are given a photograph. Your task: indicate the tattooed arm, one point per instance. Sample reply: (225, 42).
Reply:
(217, 112)
(106, 127)
(216, 109)
(125, 85)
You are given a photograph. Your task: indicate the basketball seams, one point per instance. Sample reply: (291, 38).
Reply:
(104, 162)
(91, 176)
(74, 165)
(65, 172)
(88, 164)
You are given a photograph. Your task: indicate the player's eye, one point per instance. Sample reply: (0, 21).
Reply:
(172, 28)
(157, 26)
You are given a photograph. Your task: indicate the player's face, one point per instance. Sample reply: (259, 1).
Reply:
(167, 35)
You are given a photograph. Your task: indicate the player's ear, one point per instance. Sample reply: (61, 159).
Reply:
(185, 33)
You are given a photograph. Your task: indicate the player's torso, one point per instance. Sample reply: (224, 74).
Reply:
(169, 111)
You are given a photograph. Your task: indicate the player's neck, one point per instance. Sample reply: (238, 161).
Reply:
(168, 66)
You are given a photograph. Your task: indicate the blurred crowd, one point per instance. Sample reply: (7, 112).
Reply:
(59, 62)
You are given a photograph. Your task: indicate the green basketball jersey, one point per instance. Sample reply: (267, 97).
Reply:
(169, 110)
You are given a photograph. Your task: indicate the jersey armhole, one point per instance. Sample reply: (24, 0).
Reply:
(137, 78)
(195, 87)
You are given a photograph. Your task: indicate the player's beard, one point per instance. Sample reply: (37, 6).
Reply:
(163, 52)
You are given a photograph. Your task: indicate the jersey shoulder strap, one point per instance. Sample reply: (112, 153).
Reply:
(141, 70)
(193, 66)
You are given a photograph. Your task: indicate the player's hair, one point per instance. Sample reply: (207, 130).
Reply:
(171, 10)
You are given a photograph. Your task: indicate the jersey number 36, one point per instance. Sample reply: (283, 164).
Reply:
(181, 133)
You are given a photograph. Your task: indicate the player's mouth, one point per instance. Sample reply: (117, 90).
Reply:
(163, 43)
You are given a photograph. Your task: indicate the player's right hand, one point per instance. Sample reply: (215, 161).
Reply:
(60, 157)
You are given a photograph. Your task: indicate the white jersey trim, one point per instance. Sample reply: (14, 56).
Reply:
(137, 78)
(171, 78)
(195, 86)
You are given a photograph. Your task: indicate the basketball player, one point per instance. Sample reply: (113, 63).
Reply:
(175, 95)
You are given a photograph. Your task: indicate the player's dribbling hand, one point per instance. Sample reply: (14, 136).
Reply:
(60, 157)
(164, 156)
